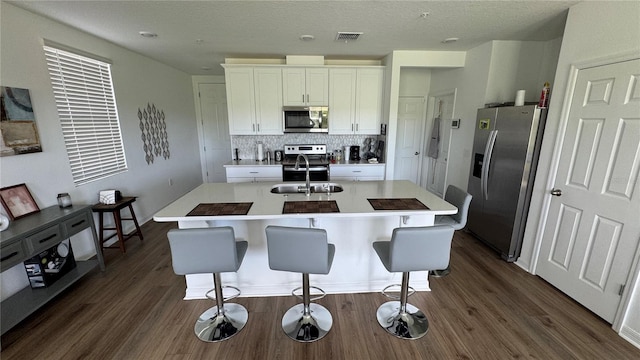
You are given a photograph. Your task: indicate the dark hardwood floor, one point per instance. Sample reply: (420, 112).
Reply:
(485, 309)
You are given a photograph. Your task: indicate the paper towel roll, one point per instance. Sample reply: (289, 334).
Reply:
(519, 98)
(260, 152)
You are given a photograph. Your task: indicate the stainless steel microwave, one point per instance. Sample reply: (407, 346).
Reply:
(306, 119)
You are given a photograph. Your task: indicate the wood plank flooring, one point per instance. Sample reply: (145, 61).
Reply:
(485, 309)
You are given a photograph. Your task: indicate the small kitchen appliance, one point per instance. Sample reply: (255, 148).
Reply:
(278, 155)
(354, 153)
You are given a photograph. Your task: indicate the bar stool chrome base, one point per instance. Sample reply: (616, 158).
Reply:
(440, 273)
(410, 324)
(307, 328)
(213, 326)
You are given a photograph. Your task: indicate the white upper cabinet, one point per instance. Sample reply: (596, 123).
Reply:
(355, 100)
(254, 100)
(305, 86)
(369, 89)
(268, 95)
(342, 101)
(240, 100)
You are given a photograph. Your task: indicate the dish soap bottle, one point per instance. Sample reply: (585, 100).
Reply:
(544, 96)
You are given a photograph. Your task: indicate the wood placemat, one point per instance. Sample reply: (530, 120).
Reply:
(307, 207)
(217, 209)
(397, 204)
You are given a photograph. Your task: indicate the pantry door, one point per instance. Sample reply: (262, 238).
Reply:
(411, 113)
(592, 229)
(215, 131)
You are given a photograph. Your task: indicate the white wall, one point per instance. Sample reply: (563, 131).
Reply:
(137, 81)
(471, 82)
(394, 62)
(594, 31)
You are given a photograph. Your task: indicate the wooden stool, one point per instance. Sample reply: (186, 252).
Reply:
(115, 209)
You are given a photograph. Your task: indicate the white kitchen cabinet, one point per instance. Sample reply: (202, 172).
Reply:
(342, 101)
(268, 98)
(355, 172)
(305, 86)
(236, 174)
(241, 104)
(355, 100)
(254, 100)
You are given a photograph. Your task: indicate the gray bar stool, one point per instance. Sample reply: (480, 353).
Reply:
(457, 221)
(306, 251)
(211, 250)
(411, 249)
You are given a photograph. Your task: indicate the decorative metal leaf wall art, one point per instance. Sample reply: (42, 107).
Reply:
(155, 141)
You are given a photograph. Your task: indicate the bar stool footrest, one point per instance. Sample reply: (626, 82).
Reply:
(396, 297)
(323, 293)
(211, 293)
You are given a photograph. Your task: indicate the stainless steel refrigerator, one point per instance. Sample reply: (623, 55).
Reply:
(505, 154)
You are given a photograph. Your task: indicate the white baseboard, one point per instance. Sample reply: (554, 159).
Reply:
(631, 335)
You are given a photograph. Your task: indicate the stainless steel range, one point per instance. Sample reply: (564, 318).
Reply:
(318, 163)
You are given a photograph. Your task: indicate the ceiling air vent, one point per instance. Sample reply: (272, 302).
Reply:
(348, 36)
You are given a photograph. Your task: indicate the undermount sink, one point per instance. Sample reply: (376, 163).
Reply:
(295, 188)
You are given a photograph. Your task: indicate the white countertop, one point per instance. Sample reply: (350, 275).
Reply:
(352, 202)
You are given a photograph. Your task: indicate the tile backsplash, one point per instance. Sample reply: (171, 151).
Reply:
(246, 144)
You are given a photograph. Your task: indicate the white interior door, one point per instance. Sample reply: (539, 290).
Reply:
(411, 112)
(215, 128)
(592, 230)
(435, 170)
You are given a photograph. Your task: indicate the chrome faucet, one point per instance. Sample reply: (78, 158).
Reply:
(307, 179)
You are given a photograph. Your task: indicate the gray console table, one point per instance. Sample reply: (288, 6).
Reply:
(27, 237)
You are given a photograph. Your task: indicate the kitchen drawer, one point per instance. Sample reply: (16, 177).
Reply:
(255, 172)
(11, 255)
(75, 224)
(370, 171)
(44, 239)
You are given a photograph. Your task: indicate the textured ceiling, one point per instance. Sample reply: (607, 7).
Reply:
(268, 29)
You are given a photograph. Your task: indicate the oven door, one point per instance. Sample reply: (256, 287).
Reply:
(316, 173)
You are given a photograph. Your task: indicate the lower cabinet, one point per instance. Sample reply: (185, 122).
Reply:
(237, 174)
(364, 172)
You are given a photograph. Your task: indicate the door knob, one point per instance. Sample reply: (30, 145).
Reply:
(417, 153)
(556, 192)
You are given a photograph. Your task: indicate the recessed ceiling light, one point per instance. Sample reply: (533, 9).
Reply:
(307, 37)
(148, 34)
(206, 68)
(199, 41)
(450, 40)
(424, 14)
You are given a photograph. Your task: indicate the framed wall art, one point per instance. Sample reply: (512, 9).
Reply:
(18, 130)
(17, 201)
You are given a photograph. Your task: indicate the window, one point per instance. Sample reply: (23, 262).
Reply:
(88, 114)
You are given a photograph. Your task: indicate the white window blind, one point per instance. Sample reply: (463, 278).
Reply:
(88, 115)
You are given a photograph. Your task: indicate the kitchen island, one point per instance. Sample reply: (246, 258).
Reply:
(352, 229)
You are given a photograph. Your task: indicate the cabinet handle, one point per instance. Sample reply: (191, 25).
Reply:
(9, 256)
(302, 97)
(78, 223)
(357, 171)
(351, 127)
(357, 127)
(258, 126)
(254, 172)
(307, 97)
(47, 238)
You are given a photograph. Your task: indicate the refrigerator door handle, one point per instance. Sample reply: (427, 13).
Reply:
(486, 165)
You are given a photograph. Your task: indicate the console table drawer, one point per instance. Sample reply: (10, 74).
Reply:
(12, 254)
(44, 239)
(75, 225)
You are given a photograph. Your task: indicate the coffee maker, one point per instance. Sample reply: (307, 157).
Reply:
(354, 153)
